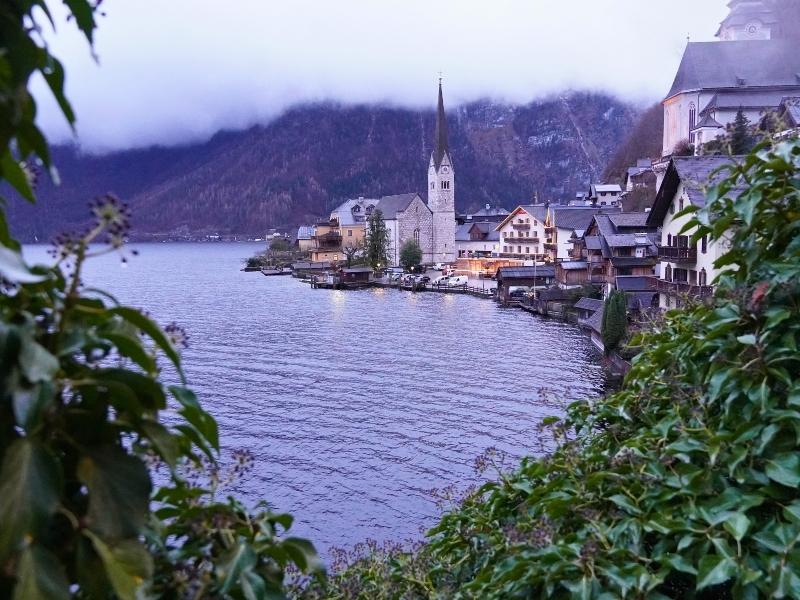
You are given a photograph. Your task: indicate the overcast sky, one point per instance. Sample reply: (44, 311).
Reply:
(173, 71)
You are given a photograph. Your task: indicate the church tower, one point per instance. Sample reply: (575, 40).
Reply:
(441, 191)
(748, 20)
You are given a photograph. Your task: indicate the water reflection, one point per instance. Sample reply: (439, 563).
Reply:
(353, 403)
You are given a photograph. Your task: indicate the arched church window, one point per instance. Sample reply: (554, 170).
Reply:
(692, 116)
(416, 235)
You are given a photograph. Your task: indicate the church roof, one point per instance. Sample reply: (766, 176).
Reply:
(746, 99)
(442, 144)
(720, 65)
(746, 11)
(707, 121)
(391, 205)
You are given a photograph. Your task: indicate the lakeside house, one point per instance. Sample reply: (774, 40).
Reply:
(685, 268)
(523, 277)
(477, 240)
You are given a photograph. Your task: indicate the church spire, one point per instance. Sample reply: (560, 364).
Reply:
(442, 145)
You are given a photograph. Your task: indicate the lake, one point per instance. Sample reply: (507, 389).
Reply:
(354, 404)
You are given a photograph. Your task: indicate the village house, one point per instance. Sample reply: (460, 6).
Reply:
(617, 245)
(477, 240)
(543, 232)
(487, 214)
(748, 69)
(639, 176)
(326, 242)
(532, 277)
(605, 194)
(305, 234)
(686, 268)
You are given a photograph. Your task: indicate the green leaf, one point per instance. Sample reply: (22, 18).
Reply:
(625, 503)
(119, 491)
(149, 327)
(12, 172)
(40, 576)
(147, 391)
(14, 269)
(241, 558)
(132, 348)
(127, 563)
(163, 440)
(303, 554)
(748, 340)
(737, 525)
(35, 362)
(785, 469)
(714, 570)
(203, 422)
(30, 485)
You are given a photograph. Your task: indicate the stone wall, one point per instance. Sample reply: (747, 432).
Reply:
(416, 216)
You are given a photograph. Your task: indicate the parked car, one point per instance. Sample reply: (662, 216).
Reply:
(440, 281)
(457, 281)
(393, 277)
(438, 267)
(407, 278)
(422, 279)
(518, 293)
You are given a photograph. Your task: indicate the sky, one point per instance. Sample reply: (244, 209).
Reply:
(177, 71)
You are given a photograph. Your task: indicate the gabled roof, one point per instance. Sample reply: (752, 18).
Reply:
(305, 232)
(720, 65)
(629, 220)
(708, 121)
(589, 304)
(695, 172)
(634, 283)
(391, 205)
(564, 217)
(606, 187)
(526, 272)
(573, 265)
(487, 231)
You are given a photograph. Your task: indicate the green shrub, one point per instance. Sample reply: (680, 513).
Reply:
(685, 484)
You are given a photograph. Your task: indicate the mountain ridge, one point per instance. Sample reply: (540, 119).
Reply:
(298, 166)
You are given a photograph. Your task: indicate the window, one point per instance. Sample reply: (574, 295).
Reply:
(349, 233)
(433, 185)
(704, 245)
(519, 249)
(527, 250)
(692, 120)
(445, 185)
(669, 239)
(703, 277)
(416, 235)
(505, 249)
(668, 273)
(680, 203)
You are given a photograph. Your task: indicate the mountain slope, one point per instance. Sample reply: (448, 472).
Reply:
(297, 167)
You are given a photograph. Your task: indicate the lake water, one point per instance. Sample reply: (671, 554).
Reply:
(355, 404)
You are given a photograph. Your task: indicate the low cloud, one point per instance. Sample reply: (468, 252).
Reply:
(178, 71)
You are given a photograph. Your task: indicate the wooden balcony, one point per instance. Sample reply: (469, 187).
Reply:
(680, 288)
(678, 254)
(521, 225)
(521, 240)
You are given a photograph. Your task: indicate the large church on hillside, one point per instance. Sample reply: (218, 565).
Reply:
(407, 216)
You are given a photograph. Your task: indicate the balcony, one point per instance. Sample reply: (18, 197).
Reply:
(678, 254)
(521, 225)
(521, 240)
(680, 288)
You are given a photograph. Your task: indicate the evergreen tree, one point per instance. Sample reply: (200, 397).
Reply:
(615, 320)
(377, 240)
(741, 139)
(410, 255)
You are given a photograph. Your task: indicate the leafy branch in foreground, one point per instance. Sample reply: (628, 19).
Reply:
(685, 484)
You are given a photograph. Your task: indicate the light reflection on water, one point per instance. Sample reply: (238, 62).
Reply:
(355, 404)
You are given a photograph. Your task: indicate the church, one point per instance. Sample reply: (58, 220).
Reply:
(755, 67)
(407, 216)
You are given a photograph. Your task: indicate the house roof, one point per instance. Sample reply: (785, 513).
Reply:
(573, 265)
(606, 187)
(629, 220)
(720, 65)
(791, 107)
(526, 272)
(595, 322)
(305, 232)
(640, 300)
(589, 304)
(358, 270)
(391, 205)
(564, 217)
(593, 242)
(695, 172)
(487, 230)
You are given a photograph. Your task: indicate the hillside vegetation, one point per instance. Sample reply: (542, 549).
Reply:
(299, 166)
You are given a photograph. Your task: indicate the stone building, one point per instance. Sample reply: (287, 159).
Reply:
(441, 191)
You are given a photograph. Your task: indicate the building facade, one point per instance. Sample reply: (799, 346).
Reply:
(685, 269)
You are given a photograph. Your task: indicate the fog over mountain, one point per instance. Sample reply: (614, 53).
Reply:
(179, 71)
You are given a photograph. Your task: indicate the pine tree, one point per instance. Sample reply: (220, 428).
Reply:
(377, 240)
(615, 320)
(741, 139)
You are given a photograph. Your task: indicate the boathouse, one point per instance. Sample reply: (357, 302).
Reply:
(536, 276)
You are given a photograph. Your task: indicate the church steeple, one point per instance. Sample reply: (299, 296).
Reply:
(442, 146)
